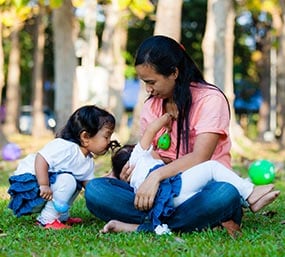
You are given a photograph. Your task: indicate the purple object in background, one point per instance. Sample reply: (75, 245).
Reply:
(11, 152)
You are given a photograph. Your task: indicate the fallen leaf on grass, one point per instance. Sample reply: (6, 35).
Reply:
(269, 214)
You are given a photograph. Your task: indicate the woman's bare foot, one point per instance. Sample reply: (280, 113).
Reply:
(258, 192)
(115, 226)
(232, 228)
(264, 200)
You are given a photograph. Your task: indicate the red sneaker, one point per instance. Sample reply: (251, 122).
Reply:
(71, 221)
(54, 225)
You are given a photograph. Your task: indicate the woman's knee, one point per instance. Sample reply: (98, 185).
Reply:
(95, 187)
(222, 189)
(221, 196)
(228, 202)
(96, 193)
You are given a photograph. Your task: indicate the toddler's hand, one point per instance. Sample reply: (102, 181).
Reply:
(45, 192)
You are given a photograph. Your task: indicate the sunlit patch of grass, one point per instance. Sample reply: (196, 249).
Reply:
(3, 193)
(29, 144)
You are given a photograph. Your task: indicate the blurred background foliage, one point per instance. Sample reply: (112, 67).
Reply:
(255, 30)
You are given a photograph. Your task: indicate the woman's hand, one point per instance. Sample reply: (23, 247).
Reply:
(45, 192)
(146, 192)
(126, 172)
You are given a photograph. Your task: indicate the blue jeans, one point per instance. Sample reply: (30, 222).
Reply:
(109, 198)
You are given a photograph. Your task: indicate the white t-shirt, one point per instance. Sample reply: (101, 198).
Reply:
(143, 161)
(61, 156)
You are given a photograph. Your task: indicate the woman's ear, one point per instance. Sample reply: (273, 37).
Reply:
(176, 73)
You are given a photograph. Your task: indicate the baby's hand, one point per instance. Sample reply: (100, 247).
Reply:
(126, 172)
(166, 120)
(45, 192)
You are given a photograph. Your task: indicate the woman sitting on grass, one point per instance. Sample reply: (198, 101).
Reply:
(199, 133)
(178, 189)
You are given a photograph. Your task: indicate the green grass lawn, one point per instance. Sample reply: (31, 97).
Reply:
(263, 233)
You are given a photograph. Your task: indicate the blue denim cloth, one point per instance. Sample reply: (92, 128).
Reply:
(109, 198)
(24, 191)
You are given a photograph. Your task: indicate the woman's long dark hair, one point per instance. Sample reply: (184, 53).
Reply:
(166, 55)
(89, 118)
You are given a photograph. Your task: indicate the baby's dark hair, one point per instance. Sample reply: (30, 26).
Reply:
(89, 118)
(120, 157)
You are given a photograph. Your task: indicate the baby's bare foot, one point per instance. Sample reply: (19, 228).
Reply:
(115, 226)
(258, 192)
(264, 200)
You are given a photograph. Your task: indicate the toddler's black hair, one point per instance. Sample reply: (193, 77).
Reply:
(89, 118)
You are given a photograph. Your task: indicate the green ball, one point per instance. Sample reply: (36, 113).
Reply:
(261, 172)
(164, 141)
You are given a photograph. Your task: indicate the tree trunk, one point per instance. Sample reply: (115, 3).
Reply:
(13, 83)
(90, 33)
(168, 18)
(2, 78)
(90, 80)
(66, 90)
(264, 77)
(3, 139)
(217, 44)
(281, 76)
(217, 47)
(110, 58)
(168, 22)
(39, 127)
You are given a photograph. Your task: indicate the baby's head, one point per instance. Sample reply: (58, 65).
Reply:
(120, 157)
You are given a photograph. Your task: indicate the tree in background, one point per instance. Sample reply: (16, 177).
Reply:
(15, 14)
(111, 59)
(3, 139)
(65, 31)
(281, 74)
(38, 128)
(167, 23)
(114, 43)
(112, 47)
(167, 11)
(218, 45)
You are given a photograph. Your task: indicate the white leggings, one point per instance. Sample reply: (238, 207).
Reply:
(194, 179)
(64, 190)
